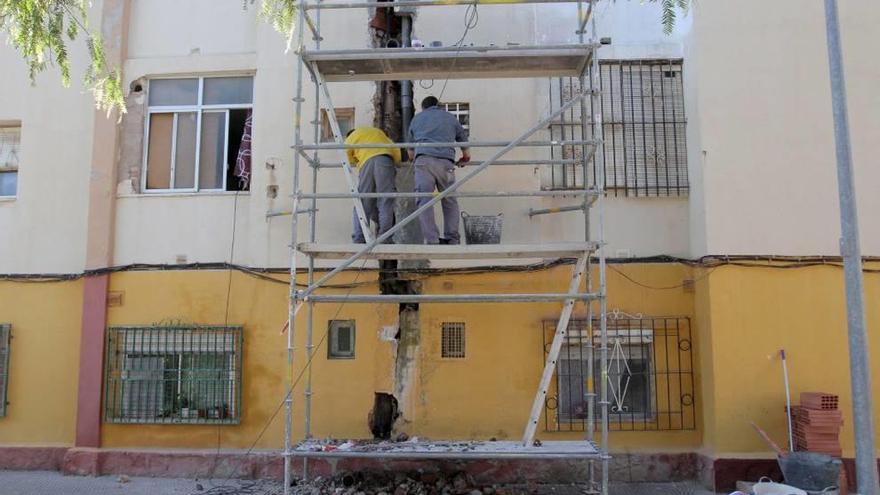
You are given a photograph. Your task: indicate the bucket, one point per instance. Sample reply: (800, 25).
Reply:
(482, 229)
(810, 471)
(771, 488)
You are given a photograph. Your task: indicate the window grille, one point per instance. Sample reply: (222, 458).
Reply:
(462, 112)
(10, 149)
(173, 374)
(644, 129)
(452, 340)
(342, 339)
(198, 129)
(5, 336)
(650, 375)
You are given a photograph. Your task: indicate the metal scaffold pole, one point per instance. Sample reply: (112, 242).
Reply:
(859, 361)
(313, 211)
(603, 301)
(292, 303)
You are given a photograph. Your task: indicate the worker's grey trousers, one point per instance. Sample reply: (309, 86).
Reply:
(431, 173)
(376, 175)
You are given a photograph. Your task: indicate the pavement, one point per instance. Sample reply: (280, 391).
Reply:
(53, 483)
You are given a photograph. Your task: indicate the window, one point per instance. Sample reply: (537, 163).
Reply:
(173, 374)
(644, 127)
(10, 147)
(345, 117)
(5, 336)
(341, 339)
(198, 134)
(452, 340)
(629, 388)
(462, 111)
(650, 375)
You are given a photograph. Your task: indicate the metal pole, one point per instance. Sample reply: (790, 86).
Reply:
(406, 93)
(426, 3)
(850, 249)
(467, 144)
(787, 399)
(291, 305)
(528, 163)
(446, 298)
(559, 209)
(313, 210)
(430, 204)
(603, 299)
(463, 194)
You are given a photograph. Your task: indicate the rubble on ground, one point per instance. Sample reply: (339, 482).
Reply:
(399, 484)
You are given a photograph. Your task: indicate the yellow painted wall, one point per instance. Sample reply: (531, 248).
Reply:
(740, 318)
(487, 394)
(755, 312)
(44, 360)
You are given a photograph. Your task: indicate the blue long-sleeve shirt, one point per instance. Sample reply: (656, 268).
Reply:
(435, 125)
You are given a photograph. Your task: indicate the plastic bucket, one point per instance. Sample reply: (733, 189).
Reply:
(482, 229)
(810, 471)
(770, 488)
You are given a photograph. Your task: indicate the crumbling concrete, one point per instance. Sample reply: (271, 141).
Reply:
(131, 146)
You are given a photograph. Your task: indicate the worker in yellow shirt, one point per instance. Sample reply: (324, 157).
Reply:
(376, 174)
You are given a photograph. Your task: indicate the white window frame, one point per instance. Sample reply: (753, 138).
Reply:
(455, 108)
(198, 108)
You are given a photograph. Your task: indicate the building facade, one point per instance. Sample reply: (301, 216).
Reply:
(144, 293)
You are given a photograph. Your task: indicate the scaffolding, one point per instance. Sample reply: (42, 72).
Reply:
(574, 60)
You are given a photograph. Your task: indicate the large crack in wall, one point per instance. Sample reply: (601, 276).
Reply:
(393, 413)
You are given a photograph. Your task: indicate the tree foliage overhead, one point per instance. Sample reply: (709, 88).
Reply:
(41, 29)
(669, 12)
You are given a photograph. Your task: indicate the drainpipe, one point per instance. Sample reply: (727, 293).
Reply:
(406, 93)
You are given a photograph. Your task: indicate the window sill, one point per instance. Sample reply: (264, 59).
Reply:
(186, 194)
(8, 199)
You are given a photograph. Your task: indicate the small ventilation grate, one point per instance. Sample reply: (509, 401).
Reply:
(452, 340)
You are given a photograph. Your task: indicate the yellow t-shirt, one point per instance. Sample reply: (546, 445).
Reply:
(369, 135)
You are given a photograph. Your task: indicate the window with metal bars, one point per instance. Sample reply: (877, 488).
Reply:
(342, 339)
(650, 376)
(644, 127)
(462, 112)
(452, 340)
(5, 337)
(173, 374)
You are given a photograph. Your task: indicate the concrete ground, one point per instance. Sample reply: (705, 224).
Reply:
(53, 483)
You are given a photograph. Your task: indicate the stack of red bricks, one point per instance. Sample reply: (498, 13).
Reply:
(816, 427)
(816, 424)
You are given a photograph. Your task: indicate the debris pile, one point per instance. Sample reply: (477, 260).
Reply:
(397, 484)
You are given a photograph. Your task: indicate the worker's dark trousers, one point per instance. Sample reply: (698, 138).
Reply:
(376, 175)
(439, 173)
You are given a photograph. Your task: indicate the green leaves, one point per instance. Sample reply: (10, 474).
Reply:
(670, 10)
(280, 14)
(40, 31)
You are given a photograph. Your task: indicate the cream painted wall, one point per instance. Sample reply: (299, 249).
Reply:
(158, 229)
(763, 148)
(43, 229)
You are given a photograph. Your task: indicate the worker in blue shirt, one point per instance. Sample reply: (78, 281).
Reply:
(435, 166)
